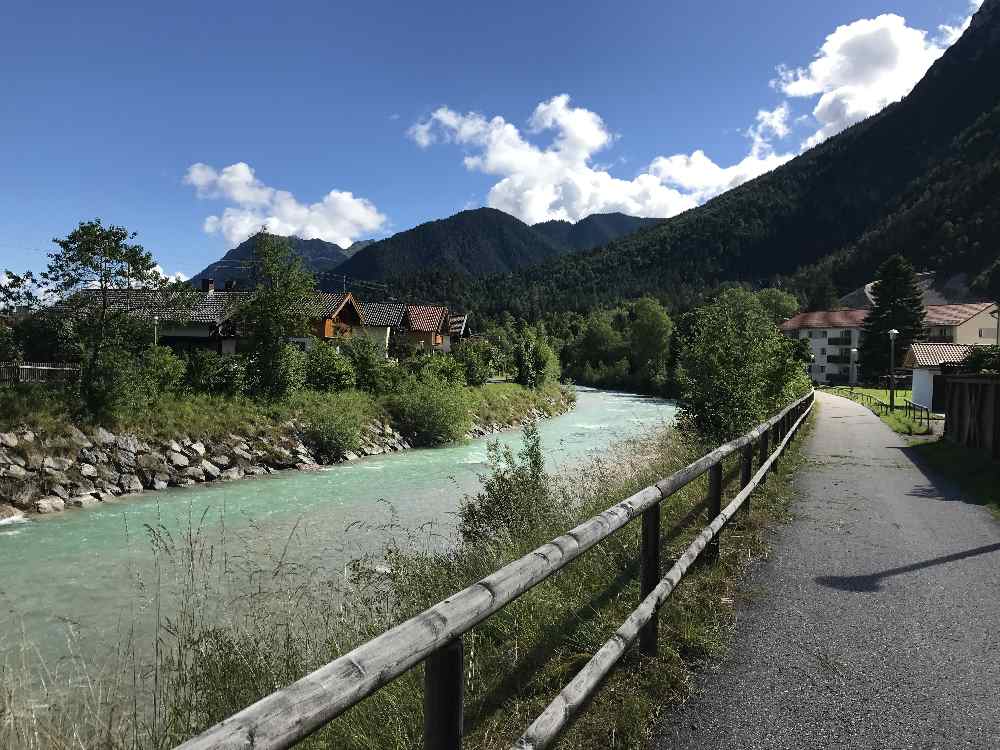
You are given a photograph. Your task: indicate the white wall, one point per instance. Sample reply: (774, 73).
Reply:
(923, 386)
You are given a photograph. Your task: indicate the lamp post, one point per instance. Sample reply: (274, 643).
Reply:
(156, 330)
(893, 333)
(854, 365)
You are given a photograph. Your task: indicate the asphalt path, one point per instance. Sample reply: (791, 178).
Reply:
(876, 622)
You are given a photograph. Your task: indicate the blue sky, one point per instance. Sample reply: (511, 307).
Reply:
(191, 122)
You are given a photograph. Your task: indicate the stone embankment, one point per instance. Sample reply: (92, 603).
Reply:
(40, 474)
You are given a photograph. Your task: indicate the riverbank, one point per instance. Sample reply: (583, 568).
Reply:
(54, 464)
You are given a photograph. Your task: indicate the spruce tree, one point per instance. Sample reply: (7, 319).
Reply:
(897, 303)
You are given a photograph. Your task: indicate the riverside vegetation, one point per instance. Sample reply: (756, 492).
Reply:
(231, 630)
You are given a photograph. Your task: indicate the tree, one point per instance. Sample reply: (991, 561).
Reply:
(779, 304)
(480, 359)
(988, 282)
(327, 369)
(735, 368)
(650, 349)
(897, 303)
(106, 286)
(280, 308)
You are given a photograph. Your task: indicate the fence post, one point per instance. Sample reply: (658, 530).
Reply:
(649, 574)
(444, 697)
(714, 509)
(746, 473)
(765, 451)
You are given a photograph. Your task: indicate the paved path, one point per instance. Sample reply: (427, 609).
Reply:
(878, 622)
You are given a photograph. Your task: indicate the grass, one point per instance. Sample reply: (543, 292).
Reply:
(239, 631)
(882, 394)
(897, 420)
(976, 473)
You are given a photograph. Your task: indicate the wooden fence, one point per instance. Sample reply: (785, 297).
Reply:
(877, 405)
(973, 412)
(435, 635)
(13, 373)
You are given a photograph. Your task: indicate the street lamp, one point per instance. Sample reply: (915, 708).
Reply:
(156, 330)
(893, 333)
(854, 359)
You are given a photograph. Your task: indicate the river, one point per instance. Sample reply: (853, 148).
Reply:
(86, 571)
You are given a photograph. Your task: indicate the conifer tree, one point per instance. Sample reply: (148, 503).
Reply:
(897, 303)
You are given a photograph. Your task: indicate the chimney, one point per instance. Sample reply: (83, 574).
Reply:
(230, 285)
(208, 285)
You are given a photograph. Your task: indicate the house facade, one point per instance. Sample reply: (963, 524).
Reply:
(927, 359)
(834, 337)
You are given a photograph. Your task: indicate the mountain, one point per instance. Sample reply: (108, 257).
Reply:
(319, 256)
(592, 231)
(889, 183)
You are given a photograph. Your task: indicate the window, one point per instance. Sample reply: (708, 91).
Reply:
(822, 350)
(822, 334)
(988, 333)
(822, 368)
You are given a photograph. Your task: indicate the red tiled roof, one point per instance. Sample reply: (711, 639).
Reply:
(932, 355)
(953, 315)
(826, 319)
(426, 318)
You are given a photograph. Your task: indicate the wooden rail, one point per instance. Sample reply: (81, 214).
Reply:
(435, 635)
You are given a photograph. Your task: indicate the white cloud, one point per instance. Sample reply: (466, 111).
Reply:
(560, 181)
(862, 67)
(339, 217)
(177, 276)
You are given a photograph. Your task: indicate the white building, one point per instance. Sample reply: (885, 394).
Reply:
(926, 360)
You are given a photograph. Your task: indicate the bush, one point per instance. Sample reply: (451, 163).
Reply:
(333, 421)
(161, 371)
(10, 347)
(279, 376)
(327, 369)
(208, 372)
(108, 387)
(444, 368)
(479, 358)
(534, 361)
(372, 370)
(431, 412)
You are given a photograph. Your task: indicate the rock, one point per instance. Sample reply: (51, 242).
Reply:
(57, 464)
(231, 474)
(220, 460)
(87, 470)
(210, 469)
(173, 446)
(242, 453)
(256, 470)
(105, 497)
(195, 473)
(159, 484)
(125, 460)
(351, 456)
(34, 460)
(26, 436)
(178, 459)
(8, 439)
(103, 437)
(59, 491)
(78, 438)
(56, 477)
(197, 449)
(82, 487)
(127, 443)
(152, 463)
(130, 483)
(16, 472)
(57, 443)
(50, 504)
(11, 458)
(9, 513)
(82, 501)
(308, 467)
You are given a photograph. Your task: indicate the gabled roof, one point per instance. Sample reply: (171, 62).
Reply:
(457, 324)
(826, 319)
(953, 315)
(929, 356)
(382, 313)
(427, 318)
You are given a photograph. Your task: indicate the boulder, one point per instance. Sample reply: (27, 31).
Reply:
(56, 477)
(178, 459)
(9, 513)
(16, 472)
(87, 470)
(242, 453)
(50, 504)
(59, 490)
(220, 460)
(256, 470)
(104, 497)
(130, 483)
(308, 467)
(127, 443)
(231, 474)
(159, 483)
(82, 501)
(211, 470)
(57, 443)
(103, 437)
(173, 447)
(78, 438)
(34, 460)
(195, 473)
(8, 440)
(7, 459)
(196, 449)
(82, 487)
(56, 464)
(26, 436)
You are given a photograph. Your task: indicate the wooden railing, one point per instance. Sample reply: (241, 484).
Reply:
(435, 635)
(13, 373)
(917, 412)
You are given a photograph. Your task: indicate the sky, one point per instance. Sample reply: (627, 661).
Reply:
(195, 124)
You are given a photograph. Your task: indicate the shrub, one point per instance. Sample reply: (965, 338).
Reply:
(333, 421)
(534, 361)
(161, 371)
(445, 368)
(10, 347)
(371, 368)
(279, 376)
(327, 369)
(479, 357)
(208, 372)
(431, 412)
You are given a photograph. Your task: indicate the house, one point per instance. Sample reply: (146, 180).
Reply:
(927, 359)
(835, 335)
(379, 320)
(427, 327)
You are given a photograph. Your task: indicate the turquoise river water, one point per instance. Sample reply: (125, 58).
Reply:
(81, 572)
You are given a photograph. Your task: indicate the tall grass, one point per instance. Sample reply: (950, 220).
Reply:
(234, 626)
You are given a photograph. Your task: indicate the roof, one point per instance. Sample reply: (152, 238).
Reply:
(926, 355)
(826, 319)
(953, 315)
(427, 318)
(382, 313)
(456, 324)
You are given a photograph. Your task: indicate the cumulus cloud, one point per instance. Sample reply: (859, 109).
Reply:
(560, 181)
(339, 217)
(176, 276)
(862, 67)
